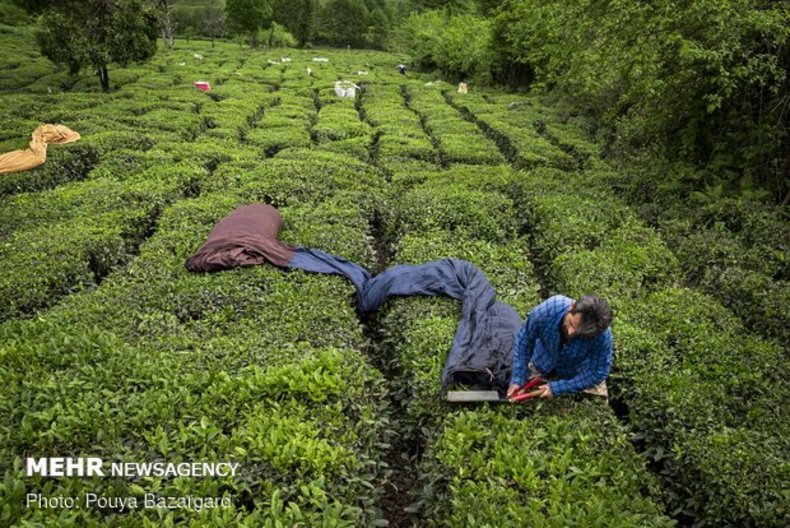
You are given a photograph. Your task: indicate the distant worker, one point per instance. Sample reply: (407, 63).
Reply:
(402, 69)
(566, 346)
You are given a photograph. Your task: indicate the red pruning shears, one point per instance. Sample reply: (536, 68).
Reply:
(525, 395)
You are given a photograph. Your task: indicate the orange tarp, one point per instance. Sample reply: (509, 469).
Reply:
(36, 152)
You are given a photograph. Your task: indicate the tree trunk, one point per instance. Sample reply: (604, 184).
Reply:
(167, 36)
(168, 27)
(104, 78)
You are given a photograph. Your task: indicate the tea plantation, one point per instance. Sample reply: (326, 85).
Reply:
(110, 348)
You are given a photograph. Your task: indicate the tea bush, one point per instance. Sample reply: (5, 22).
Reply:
(454, 207)
(505, 265)
(358, 147)
(400, 134)
(719, 396)
(727, 247)
(284, 422)
(738, 257)
(64, 163)
(315, 432)
(518, 126)
(275, 139)
(459, 141)
(77, 200)
(184, 124)
(421, 330)
(631, 261)
(300, 176)
(285, 125)
(562, 464)
(339, 121)
(49, 260)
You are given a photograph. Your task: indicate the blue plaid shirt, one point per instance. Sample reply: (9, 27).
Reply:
(579, 362)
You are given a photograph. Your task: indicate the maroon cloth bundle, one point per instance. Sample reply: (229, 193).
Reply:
(246, 237)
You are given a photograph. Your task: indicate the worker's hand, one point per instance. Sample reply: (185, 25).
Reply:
(544, 392)
(513, 390)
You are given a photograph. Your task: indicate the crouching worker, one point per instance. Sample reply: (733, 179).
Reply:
(566, 345)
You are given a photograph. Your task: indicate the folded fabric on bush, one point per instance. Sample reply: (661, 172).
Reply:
(246, 237)
(482, 349)
(36, 152)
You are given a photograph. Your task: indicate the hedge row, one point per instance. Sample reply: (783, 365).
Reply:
(720, 407)
(232, 117)
(565, 464)
(77, 201)
(456, 208)
(459, 141)
(64, 241)
(602, 247)
(735, 249)
(23, 74)
(168, 116)
(339, 121)
(286, 125)
(53, 258)
(64, 163)
(400, 135)
(745, 267)
(186, 348)
(256, 365)
(561, 128)
(263, 367)
(518, 124)
(587, 240)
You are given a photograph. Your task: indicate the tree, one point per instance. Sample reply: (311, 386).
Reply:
(12, 15)
(164, 9)
(212, 23)
(81, 33)
(344, 22)
(248, 16)
(279, 37)
(703, 82)
(378, 28)
(304, 28)
(452, 7)
(297, 17)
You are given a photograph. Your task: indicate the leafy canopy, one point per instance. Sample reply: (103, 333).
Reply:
(95, 33)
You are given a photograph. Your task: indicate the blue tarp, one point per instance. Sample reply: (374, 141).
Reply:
(482, 350)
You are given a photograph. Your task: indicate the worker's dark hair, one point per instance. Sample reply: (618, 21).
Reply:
(596, 315)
